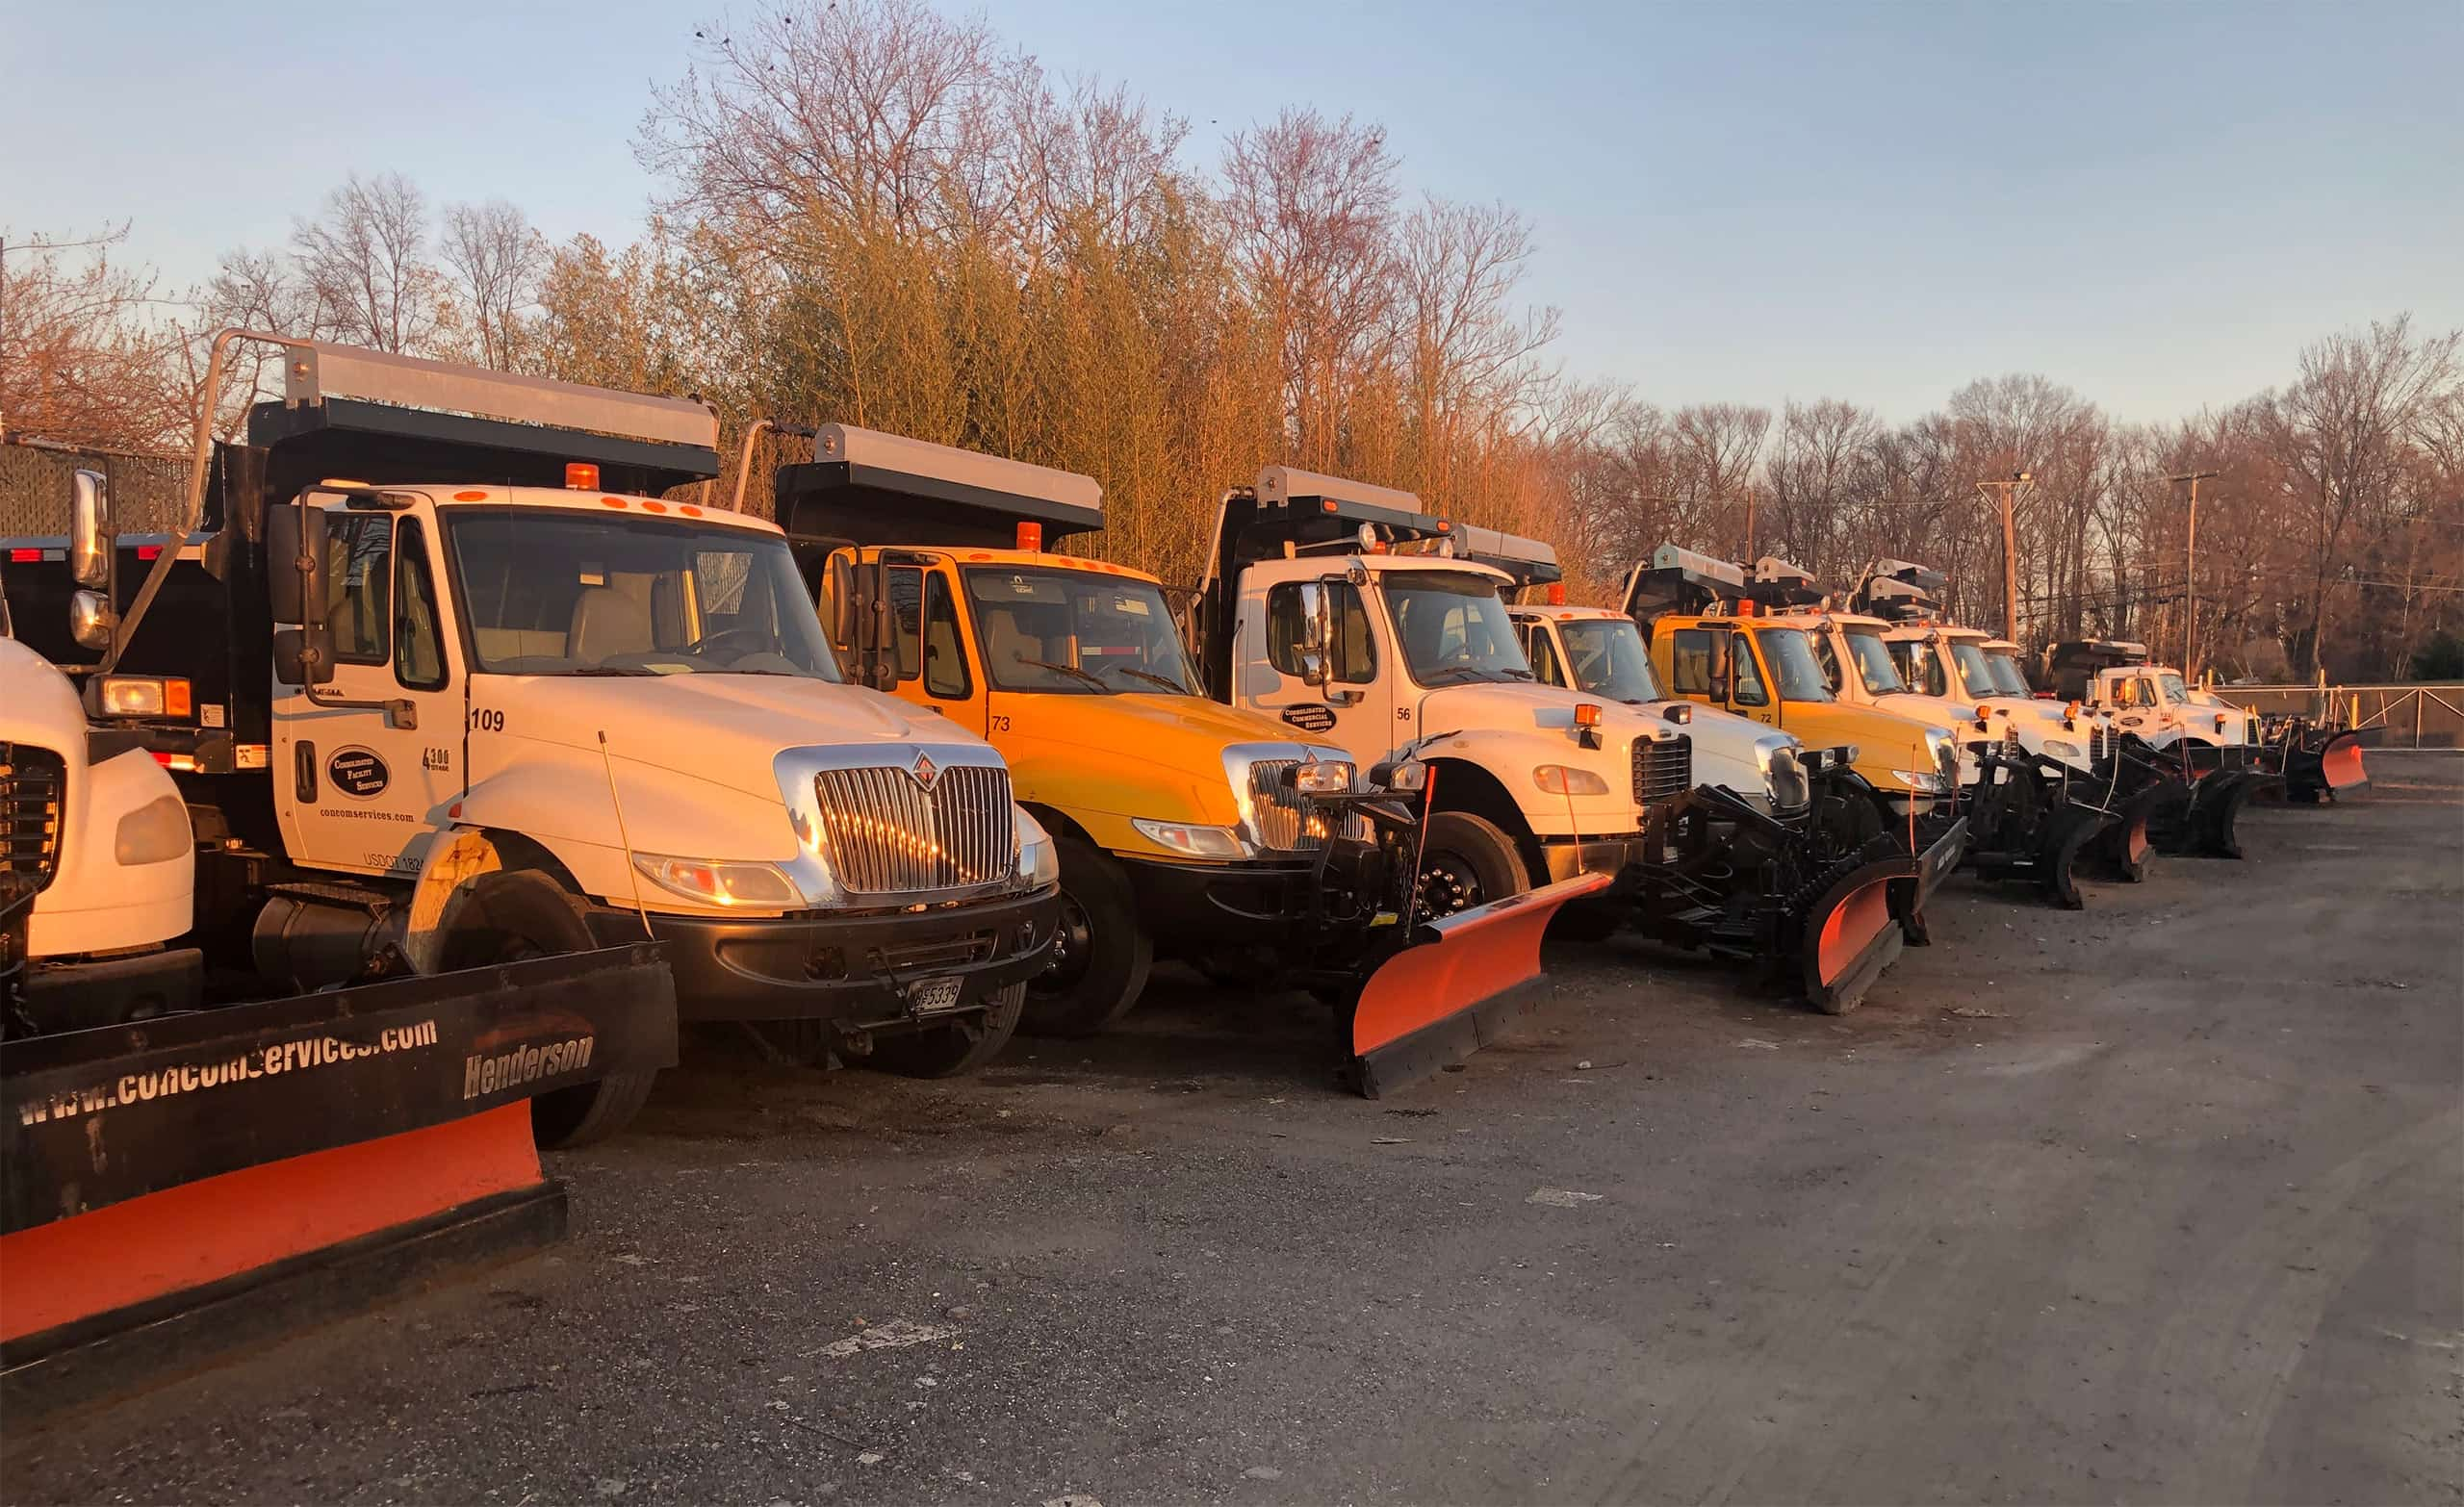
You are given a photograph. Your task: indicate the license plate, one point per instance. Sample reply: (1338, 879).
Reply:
(935, 995)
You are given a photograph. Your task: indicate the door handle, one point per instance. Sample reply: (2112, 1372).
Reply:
(303, 763)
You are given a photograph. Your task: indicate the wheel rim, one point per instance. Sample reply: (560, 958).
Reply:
(1449, 884)
(1073, 950)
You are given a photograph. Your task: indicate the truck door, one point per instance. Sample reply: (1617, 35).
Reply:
(928, 643)
(364, 787)
(1749, 688)
(1358, 706)
(1540, 647)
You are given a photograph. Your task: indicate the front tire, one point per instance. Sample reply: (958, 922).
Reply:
(1102, 955)
(512, 915)
(1467, 860)
(957, 1048)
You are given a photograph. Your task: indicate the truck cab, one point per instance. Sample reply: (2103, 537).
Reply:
(1182, 826)
(1711, 640)
(2115, 678)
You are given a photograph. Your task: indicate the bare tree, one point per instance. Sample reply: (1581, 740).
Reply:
(84, 356)
(496, 259)
(366, 258)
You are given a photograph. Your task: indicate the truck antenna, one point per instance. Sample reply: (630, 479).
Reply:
(624, 840)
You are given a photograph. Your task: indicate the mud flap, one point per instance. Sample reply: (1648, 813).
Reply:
(1855, 930)
(2070, 831)
(1452, 988)
(1939, 860)
(2216, 809)
(163, 1177)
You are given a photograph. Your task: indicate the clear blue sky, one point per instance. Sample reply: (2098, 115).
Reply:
(2156, 204)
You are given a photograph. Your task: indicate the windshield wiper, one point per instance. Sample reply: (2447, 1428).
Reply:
(1091, 679)
(1432, 678)
(606, 669)
(1173, 686)
(1516, 675)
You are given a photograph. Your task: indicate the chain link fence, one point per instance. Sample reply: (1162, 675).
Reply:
(146, 490)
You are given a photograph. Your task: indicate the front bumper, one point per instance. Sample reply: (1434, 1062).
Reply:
(1215, 904)
(862, 971)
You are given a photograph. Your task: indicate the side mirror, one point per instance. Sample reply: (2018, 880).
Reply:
(92, 619)
(91, 539)
(1719, 688)
(296, 589)
(842, 601)
(295, 585)
(1313, 667)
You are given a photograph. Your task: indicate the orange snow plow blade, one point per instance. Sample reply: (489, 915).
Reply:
(2340, 769)
(1452, 988)
(1853, 933)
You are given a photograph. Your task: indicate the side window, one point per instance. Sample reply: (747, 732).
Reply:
(1690, 662)
(906, 619)
(1747, 691)
(419, 649)
(945, 654)
(1827, 659)
(1540, 645)
(359, 576)
(1288, 624)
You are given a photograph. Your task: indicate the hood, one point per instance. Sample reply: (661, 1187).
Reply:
(725, 728)
(1512, 706)
(1156, 723)
(37, 704)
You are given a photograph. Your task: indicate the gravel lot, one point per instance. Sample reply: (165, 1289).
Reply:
(2160, 1201)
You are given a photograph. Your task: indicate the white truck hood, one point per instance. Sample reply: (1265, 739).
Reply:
(725, 728)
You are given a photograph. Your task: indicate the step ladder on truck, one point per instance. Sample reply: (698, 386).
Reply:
(449, 692)
(1346, 610)
(1713, 640)
(1185, 828)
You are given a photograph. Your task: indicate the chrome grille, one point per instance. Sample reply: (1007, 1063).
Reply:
(1275, 816)
(33, 785)
(889, 835)
(1662, 770)
(2100, 742)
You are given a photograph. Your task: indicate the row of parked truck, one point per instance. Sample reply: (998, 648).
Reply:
(387, 816)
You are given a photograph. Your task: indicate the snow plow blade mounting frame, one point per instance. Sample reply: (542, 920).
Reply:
(1455, 986)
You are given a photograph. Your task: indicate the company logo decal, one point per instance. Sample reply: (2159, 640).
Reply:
(1310, 717)
(924, 771)
(358, 772)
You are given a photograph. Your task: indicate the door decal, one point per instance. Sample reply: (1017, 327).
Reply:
(358, 772)
(1310, 717)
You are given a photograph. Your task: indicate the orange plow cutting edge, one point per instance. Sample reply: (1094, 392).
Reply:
(1452, 988)
(1853, 932)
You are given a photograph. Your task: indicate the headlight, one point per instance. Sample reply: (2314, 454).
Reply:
(1922, 780)
(1038, 860)
(1197, 842)
(715, 884)
(155, 832)
(1321, 777)
(1403, 775)
(1561, 779)
(2061, 748)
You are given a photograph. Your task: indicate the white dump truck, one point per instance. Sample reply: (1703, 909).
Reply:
(446, 683)
(1347, 612)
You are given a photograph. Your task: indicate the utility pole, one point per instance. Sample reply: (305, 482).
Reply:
(2190, 579)
(1749, 525)
(2010, 551)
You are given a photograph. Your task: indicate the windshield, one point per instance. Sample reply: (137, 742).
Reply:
(1792, 664)
(1606, 657)
(2006, 672)
(1075, 632)
(1976, 677)
(1452, 626)
(1873, 663)
(2174, 691)
(549, 592)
